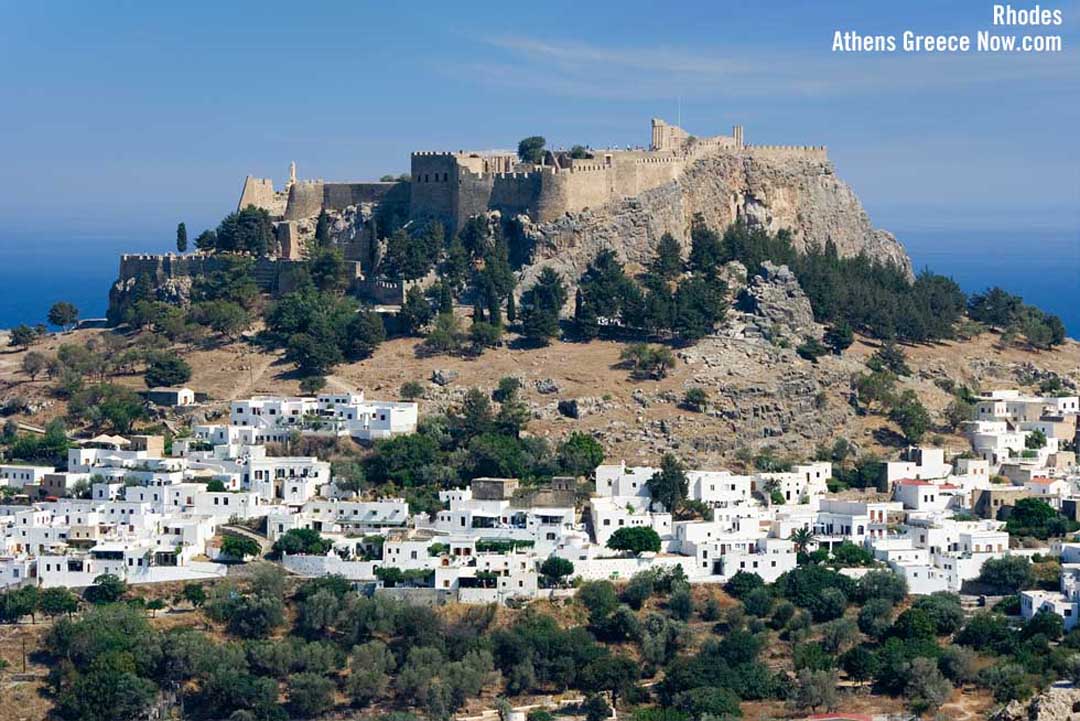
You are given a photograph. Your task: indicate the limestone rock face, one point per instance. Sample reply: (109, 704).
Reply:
(801, 195)
(777, 302)
(1060, 702)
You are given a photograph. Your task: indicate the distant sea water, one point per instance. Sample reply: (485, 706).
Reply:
(1043, 266)
(37, 269)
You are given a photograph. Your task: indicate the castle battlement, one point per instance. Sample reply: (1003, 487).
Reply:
(454, 185)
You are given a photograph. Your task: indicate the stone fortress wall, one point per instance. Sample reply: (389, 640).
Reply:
(307, 197)
(270, 273)
(456, 185)
(452, 186)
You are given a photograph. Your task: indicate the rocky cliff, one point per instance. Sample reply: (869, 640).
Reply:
(803, 195)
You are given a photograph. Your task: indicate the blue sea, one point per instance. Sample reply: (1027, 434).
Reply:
(37, 269)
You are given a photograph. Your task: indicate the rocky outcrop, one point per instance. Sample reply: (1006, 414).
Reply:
(802, 195)
(1060, 702)
(776, 303)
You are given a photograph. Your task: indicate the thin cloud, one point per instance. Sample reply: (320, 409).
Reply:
(611, 73)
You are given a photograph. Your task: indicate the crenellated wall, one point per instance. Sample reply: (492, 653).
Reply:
(452, 186)
(456, 185)
(268, 272)
(308, 197)
(789, 152)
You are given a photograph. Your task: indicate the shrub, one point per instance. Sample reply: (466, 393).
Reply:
(167, 370)
(411, 390)
(696, 399)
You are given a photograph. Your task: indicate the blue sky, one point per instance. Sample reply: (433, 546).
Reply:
(123, 118)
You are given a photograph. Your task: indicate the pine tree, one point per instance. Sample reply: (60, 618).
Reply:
(445, 298)
(181, 238)
(541, 305)
(668, 261)
(586, 323)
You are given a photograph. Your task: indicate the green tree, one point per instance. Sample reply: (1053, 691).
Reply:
(369, 678)
(57, 601)
(411, 390)
(556, 569)
(23, 336)
(911, 415)
(416, 311)
(541, 305)
(246, 231)
(667, 263)
(310, 385)
(107, 588)
(647, 361)
(839, 337)
(363, 334)
(1035, 440)
(328, 269)
(305, 541)
(579, 454)
(181, 238)
(696, 399)
(811, 349)
(310, 694)
(239, 547)
(815, 689)
(635, 539)
(206, 241)
(322, 229)
(1035, 517)
(194, 593)
(599, 598)
(63, 314)
(167, 370)
(890, 357)
(33, 363)
(228, 318)
(446, 336)
(669, 485)
(700, 304)
(107, 404)
(513, 414)
(531, 149)
(706, 252)
(1008, 574)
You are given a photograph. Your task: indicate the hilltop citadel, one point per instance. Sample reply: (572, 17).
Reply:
(452, 186)
(566, 204)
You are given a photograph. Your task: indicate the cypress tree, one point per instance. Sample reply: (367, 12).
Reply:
(181, 238)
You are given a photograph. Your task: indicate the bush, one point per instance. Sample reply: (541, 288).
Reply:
(167, 371)
(310, 694)
(743, 583)
(240, 547)
(696, 399)
(759, 602)
(875, 617)
(881, 584)
(411, 390)
(303, 541)
(811, 349)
